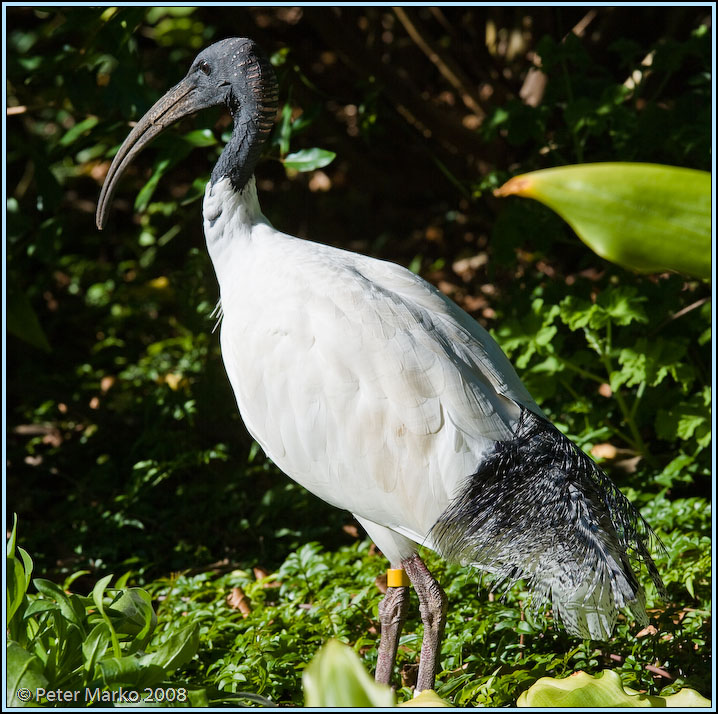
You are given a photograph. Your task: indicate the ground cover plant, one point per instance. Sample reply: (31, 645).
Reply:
(125, 454)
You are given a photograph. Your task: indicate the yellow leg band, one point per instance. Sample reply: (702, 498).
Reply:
(397, 578)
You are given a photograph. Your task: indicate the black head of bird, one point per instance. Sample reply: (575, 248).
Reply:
(372, 389)
(234, 73)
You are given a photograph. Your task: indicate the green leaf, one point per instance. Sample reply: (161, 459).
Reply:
(24, 671)
(21, 318)
(27, 565)
(427, 698)
(198, 698)
(620, 305)
(99, 590)
(578, 313)
(603, 690)
(18, 578)
(138, 617)
(14, 587)
(131, 670)
(70, 606)
(652, 362)
(336, 678)
(145, 194)
(308, 159)
(177, 650)
(675, 470)
(37, 607)
(686, 420)
(285, 129)
(10, 548)
(95, 646)
(524, 335)
(645, 217)
(78, 130)
(97, 593)
(200, 138)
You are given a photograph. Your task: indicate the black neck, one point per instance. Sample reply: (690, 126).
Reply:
(252, 101)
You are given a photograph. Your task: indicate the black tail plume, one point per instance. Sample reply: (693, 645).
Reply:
(538, 508)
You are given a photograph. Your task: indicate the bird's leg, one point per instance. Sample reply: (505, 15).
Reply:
(432, 606)
(392, 614)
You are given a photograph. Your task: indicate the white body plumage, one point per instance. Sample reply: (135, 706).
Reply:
(359, 379)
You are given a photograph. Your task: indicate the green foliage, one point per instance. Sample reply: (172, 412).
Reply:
(125, 453)
(648, 381)
(289, 126)
(95, 649)
(314, 595)
(493, 648)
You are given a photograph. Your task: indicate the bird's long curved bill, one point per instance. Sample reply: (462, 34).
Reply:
(178, 102)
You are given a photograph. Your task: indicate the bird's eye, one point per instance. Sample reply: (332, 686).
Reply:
(204, 66)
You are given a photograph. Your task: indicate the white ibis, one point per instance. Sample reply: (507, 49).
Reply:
(374, 391)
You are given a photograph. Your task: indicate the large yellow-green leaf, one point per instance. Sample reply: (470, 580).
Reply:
(336, 678)
(604, 690)
(427, 698)
(645, 217)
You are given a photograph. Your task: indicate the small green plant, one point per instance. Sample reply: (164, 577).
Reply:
(64, 648)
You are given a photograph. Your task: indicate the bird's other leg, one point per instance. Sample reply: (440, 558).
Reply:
(392, 614)
(432, 606)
